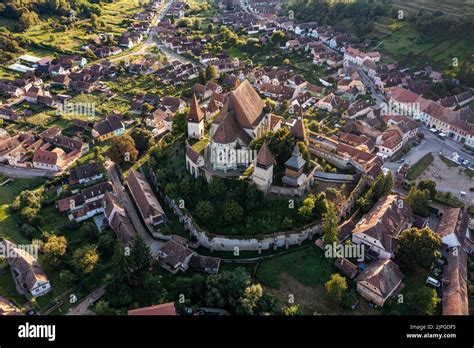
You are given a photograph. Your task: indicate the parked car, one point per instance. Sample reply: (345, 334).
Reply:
(471, 189)
(433, 282)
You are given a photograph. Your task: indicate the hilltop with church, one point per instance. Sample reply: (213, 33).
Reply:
(230, 151)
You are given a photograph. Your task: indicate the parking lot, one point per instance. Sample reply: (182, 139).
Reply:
(450, 179)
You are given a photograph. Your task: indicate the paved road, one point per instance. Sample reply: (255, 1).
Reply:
(83, 307)
(126, 200)
(379, 97)
(150, 41)
(24, 173)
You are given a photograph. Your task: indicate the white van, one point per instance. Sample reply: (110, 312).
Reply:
(433, 282)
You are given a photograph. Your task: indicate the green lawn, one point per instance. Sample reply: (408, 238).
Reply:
(309, 266)
(448, 199)
(9, 226)
(419, 167)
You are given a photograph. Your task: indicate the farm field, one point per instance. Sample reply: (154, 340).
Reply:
(451, 7)
(405, 45)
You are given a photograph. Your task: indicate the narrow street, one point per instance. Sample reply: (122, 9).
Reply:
(150, 41)
(127, 202)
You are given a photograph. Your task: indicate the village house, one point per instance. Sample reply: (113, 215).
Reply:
(148, 206)
(379, 229)
(27, 272)
(458, 125)
(107, 128)
(332, 103)
(48, 160)
(455, 298)
(346, 156)
(130, 39)
(357, 109)
(85, 204)
(160, 121)
(85, 174)
(346, 267)
(354, 56)
(452, 229)
(117, 219)
(7, 113)
(176, 257)
(379, 281)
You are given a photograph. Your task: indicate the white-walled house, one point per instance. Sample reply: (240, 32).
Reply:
(28, 274)
(379, 229)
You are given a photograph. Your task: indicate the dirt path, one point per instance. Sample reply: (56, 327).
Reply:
(83, 307)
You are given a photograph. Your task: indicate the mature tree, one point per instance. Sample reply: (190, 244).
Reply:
(211, 73)
(204, 210)
(88, 230)
(122, 266)
(180, 123)
(417, 248)
(418, 201)
(55, 248)
(85, 259)
(122, 150)
(336, 288)
(330, 225)
(249, 300)
(387, 184)
(278, 36)
(349, 298)
(106, 244)
(306, 209)
(201, 77)
(290, 310)
(28, 19)
(232, 211)
(225, 289)
(143, 139)
(424, 299)
(380, 188)
(140, 254)
(67, 277)
(429, 185)
(103, 307)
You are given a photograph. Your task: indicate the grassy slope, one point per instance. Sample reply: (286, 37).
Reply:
(9, 227)
(452, 7)
(308, 266)
(403, 39)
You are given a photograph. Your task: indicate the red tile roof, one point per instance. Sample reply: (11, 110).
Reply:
(162, 309)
